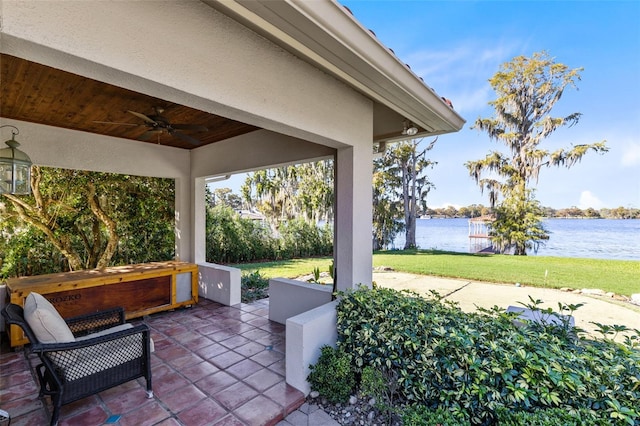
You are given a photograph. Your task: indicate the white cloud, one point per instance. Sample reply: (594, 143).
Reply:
(631, 155)
(460, 73)
(587, 199)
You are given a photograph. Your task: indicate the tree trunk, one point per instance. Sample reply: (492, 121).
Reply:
(110, 224)
(38, 217)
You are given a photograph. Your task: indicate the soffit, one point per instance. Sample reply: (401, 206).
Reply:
(326, 34)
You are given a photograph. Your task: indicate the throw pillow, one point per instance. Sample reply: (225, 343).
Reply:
(45, 321)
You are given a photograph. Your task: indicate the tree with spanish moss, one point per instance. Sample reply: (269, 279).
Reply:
(527, 89)
(400, 189)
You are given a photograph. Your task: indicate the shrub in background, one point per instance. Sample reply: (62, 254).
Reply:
(299, 238)
(253, 287)
(476, 364)
(381, 384)
(232, 239)
(332, 376)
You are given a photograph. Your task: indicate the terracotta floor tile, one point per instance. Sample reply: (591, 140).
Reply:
(263, 379)
(123, 388)
(19, 391)
(176, 330)
(38, 417)
(255, 334)
(235, 341)
(240, 328)
(259, 322)
(199, 371)
(226, 359)
(127, 401)
(168, 383)
(198, 342)
(270, 340)
(230, 420)
(228, 321)
(185, 361)
(186, 336)
(260, 411)
(221, 334)
(16, 378)
(94, 416)
(183, 398)
(274, 327)
(208, 327)
(267, 358)
(172, 352)
(211, 351)
(79, 406)
(244, 368)
(262, 312)
(148, 414)
(279, 367)
(160, 370)
(206, 412)
(169, 422)
(161, 345)
(14, 366)
(22, 406)
(216, 382)
(287, 396)
(249, 349)
(235, 395)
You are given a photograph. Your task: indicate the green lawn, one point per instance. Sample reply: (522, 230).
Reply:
(618, 276)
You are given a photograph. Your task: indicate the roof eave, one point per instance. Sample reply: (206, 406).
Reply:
(324, 33)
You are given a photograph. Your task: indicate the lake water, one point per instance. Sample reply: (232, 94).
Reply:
(590, 238)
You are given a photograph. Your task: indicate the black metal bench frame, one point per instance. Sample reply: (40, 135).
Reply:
(52, 377)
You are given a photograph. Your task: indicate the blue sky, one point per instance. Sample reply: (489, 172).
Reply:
(456, 46)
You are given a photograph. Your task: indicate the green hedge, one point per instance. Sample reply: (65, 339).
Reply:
(422, 416)
(476, 364)
(232, 239)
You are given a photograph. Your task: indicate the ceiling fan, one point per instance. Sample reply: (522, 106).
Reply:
(157, 124)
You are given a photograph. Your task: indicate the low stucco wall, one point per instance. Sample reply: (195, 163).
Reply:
(219, 283)
(306, 333)
(288, 298)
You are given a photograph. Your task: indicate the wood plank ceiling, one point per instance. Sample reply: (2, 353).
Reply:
(40, 94)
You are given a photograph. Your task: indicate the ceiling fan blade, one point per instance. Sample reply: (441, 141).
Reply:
(193, 127)
(142, 116)
(186, 138)
(115, 122)
(148, 134)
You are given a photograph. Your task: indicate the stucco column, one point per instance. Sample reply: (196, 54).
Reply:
(199, 221)
(353, 259)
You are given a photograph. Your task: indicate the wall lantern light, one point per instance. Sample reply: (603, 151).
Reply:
(409, 129)
(15, 167)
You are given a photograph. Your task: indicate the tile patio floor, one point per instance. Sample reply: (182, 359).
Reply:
(212, 365)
